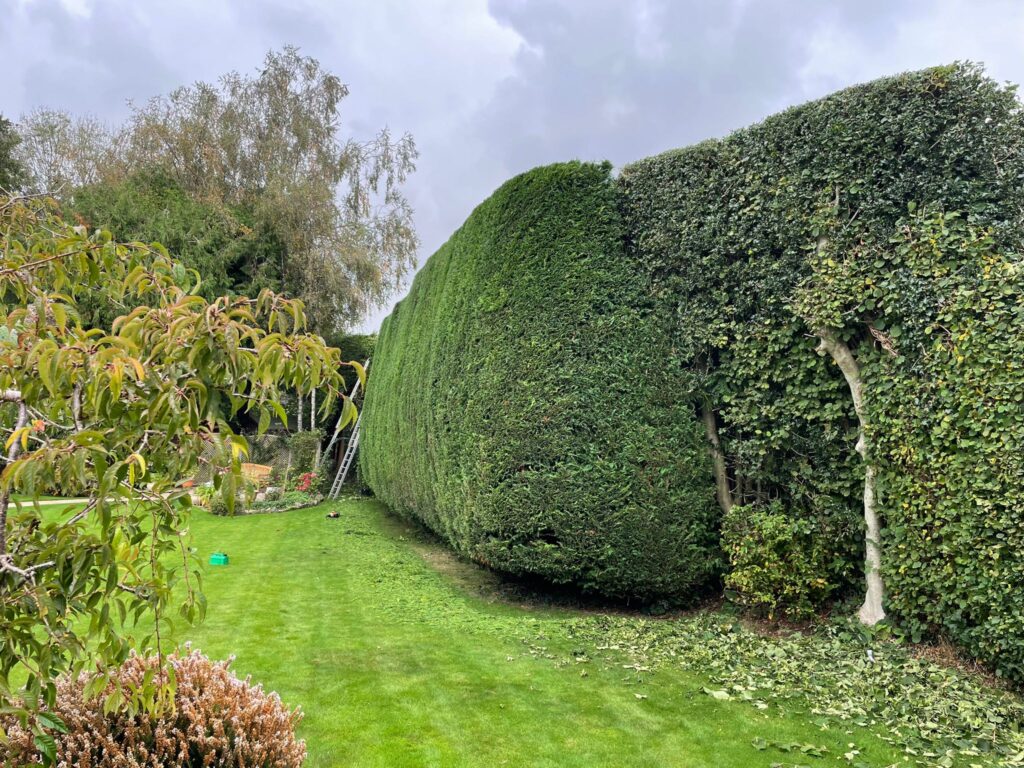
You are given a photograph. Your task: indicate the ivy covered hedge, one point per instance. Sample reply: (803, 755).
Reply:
(757, 241)
(947, 422)
(521, 405)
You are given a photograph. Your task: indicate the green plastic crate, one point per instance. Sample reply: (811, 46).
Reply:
(218, 558)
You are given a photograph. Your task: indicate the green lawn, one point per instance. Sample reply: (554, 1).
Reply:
(399, 658)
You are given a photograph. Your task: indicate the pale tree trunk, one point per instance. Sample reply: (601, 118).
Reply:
(298, 423)
(871, 611)
(722, 491)
(312, 424)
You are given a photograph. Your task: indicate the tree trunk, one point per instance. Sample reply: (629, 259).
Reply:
(722, 491)
(312, 426)
(871, 612)
(298, 423)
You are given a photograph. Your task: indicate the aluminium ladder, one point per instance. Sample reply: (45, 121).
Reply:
(346, 460)
(337, 427)
(350, 449)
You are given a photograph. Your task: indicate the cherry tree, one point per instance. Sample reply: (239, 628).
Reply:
(120, 416)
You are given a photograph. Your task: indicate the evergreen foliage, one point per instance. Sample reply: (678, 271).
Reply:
(11, 170)
(521, 409)
(886, 217)
(235, 254)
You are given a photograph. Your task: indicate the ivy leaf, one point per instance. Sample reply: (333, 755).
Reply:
(717, 694)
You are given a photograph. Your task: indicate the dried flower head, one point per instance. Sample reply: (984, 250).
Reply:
(217, 720)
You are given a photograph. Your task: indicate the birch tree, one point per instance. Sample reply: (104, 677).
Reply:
(271, 144)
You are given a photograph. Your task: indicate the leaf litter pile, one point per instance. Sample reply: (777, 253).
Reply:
(939, 716)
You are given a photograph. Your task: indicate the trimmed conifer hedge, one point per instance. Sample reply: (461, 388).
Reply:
(521, 406)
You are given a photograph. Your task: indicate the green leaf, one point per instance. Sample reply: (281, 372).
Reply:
(47, 747)
(52, 722)
(360, 372)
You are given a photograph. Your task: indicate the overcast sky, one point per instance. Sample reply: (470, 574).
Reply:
(490, 89)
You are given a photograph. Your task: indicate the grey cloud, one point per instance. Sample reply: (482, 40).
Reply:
(490, 90)
(622, 80)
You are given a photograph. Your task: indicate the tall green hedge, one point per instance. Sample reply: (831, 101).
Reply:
(729, 231)
(522, 404)
(537, 398)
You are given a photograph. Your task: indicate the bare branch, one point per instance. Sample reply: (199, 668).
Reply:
(76, 407)
(7, 564)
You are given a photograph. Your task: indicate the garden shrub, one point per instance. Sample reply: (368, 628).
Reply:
(303, 447)
(730, 230)
(305, 481)
(216, 719)
(520, 404)
(218, 501)
(218, 506)
(778, 563)
(202, 495)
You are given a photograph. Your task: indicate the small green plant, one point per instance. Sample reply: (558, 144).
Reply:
(779, 563)
(203, 495)
(218, 505)
(276, 476)
(303, 447)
